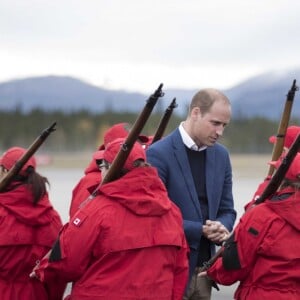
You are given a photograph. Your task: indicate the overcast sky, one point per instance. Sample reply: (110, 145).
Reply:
(137, 44)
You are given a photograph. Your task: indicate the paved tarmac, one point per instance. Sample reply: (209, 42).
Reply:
(225, 292)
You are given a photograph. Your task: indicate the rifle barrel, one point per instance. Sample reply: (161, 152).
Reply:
(283, 125)
(277, 178)
(26, 156)
(132, 137)
(164, 121)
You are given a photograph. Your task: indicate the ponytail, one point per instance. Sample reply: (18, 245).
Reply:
(37, 184)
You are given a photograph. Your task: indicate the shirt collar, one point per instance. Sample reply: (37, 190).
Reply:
(188, 141)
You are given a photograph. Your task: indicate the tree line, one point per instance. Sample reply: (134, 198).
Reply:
(83, 131)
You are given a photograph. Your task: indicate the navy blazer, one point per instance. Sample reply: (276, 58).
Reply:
(170, 158)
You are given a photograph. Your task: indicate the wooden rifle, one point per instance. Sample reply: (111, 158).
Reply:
(283, 125)
(120, 159)
(277, 178)
(271, 188)
(25, 157)
(164, 121)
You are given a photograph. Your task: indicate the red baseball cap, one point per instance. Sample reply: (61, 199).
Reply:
(294, 169)
(98, 155)
(120, 130)
(12, 155)
(113, 148)
(291, 134)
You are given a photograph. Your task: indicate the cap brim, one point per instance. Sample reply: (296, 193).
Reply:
(98, 155)
(143, 138)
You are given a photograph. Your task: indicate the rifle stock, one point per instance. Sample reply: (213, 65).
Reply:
(271, 188)
(282, 128)
(164, 121)
(25, 157)
(132, 137)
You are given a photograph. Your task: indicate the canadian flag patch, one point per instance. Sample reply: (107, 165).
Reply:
(76, 221)
(79, 218)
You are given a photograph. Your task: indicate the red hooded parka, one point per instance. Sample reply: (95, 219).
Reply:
(127, 243)
(27, 233)
(268, 250)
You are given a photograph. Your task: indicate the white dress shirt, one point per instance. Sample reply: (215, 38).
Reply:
(188, 141)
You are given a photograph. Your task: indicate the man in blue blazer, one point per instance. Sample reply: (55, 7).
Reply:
(196, 171)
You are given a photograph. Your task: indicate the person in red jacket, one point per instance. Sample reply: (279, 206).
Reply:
(29, 226)
(83, 189)
(290, 136)
(263, 253)
(92, 174)
(126, 243)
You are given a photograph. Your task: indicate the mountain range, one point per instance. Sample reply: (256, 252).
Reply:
(263, 95)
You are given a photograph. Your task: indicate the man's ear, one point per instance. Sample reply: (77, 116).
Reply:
(195, 112)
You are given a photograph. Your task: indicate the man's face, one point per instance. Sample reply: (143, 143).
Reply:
(207, 128)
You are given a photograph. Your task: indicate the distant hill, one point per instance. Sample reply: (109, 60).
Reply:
(64, 93)
(263, 95)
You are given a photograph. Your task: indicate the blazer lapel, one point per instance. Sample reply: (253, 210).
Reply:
(185, 170)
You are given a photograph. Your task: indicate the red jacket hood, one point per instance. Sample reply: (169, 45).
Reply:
(289, 208)
(140, 191)
(18, 202)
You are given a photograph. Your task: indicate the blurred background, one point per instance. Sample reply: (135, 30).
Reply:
(88, 64)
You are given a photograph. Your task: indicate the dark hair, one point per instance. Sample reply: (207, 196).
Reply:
(35, 182)
(137, 163)
(290, 183)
